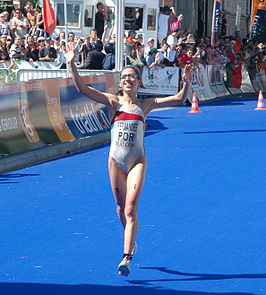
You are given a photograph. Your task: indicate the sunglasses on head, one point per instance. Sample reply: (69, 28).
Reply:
(130, 76)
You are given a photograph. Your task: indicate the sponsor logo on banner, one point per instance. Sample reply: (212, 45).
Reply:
(200, 84)
(160, 80)
(54, 110)
(83, 116)
(26, 124)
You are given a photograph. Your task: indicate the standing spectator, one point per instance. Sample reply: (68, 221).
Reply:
(17, 49)
(163, 24)
(130, 41)
(31, 16)
(95, 57)
(31, 52)
(47, 53)
(19, 24)
(177, 23)
(17, 5)
(100, 17)
(93, 35)
(186, 58)
(61, 54)
(109, 60)
(4, 25)
(161, 54)
(149, 60)
(72, 41)
(85, 48)
(5, 58)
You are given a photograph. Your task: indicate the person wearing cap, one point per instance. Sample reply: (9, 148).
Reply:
(47, 53)
(19, 24)
(150, 45)
(150, 59)
(163, 23)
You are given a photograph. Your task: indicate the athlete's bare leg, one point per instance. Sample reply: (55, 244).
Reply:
(127, 190)
(135, 182)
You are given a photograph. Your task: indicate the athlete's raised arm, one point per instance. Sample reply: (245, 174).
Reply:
(94, 94)
(173, 100)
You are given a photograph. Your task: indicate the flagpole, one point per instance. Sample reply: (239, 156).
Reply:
(66, 31)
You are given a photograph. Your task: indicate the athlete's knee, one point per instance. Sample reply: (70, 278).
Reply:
(120, 209)
(130, 212)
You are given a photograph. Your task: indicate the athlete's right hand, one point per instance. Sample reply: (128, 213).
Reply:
(70, 53)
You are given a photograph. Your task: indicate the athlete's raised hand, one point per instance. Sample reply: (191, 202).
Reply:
(187, 74)
(70, 53)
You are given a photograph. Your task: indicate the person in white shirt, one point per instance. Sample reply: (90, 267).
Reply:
(163, 24)
(19, 24)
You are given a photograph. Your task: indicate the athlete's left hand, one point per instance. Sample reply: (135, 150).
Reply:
(187, 74)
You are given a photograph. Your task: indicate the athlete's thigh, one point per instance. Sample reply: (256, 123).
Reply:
(135, 181)
(118, 181)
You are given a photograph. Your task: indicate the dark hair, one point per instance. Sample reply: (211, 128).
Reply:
(136, 70)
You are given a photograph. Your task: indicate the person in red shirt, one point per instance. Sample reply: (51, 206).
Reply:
(186, 58)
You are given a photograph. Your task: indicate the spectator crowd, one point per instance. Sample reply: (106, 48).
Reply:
(22, 36)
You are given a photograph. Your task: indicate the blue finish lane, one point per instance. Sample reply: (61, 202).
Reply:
(201, 213)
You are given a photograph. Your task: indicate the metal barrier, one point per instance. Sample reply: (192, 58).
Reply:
(24, 75)
(4, 75)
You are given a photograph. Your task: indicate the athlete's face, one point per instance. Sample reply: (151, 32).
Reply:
(129, 80)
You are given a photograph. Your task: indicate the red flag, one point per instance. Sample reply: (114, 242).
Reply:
(48, 17)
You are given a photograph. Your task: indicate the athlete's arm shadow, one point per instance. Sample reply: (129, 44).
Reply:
(154, 126)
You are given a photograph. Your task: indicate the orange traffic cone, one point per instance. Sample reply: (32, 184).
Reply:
(260, 105)
(194, 106)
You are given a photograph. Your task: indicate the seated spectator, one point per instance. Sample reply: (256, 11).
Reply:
(31, 52)
(9, 42)
(40, 43)
(47, 53)
(4, 58)
(94, 60)
(109, 60)
(150, 45)
(17, 49)
(4, 44)
(19, 24)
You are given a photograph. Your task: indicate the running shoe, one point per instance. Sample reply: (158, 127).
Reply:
(134, 250)
(124, 266)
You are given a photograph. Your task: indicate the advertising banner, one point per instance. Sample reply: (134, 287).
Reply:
(83, 116)
(34, 114)
(12, 136)
(215, 20)
(216, 80)
(200, 84)
(258, 13)
(159, 80)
